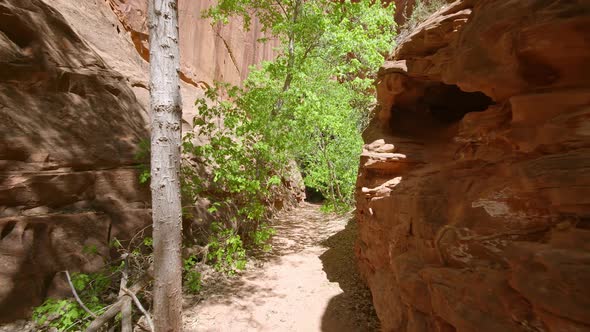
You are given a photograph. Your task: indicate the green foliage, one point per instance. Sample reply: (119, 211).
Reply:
(310, 104)
(62, 314)
(148, 242)
(421, 11)
(90, 250)
(226, 250)
(144, 175)
(143, 156)
(191, 278)
(245, 173)
(66, 314)
(261, 237)
(95, 289)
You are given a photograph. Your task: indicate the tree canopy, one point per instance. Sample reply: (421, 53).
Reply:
(310, 104)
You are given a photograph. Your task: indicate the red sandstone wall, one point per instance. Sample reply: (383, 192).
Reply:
(221, 53)
(473, 197)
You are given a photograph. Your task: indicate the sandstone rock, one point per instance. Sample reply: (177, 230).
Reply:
(486, 227)
(69, 131)
(208, 54)
(381, 191)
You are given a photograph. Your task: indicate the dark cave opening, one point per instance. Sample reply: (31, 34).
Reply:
(434, 107)
(312, 195)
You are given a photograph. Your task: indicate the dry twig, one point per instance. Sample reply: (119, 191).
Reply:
(141, 308)
(77, 297)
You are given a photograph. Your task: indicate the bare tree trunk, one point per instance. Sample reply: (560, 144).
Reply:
(290, 61)
(166, 114)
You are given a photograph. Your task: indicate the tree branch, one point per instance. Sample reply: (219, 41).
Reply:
(126, 309)
(104, 318)
(278, 2)
(290, 62)
(140, 307)
(117, 306)
(77, 297)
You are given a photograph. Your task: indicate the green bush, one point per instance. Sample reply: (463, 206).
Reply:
(261, 237)
(310, 104)
(66, 314)
(190, 277)
(226, 251)
(143, 157)
(96, 289)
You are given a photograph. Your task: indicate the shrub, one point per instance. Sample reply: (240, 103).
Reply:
(66, 314)
(226, 250)
(190, 277)
(421, 11)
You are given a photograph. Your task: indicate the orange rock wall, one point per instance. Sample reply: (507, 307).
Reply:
(70, 127)
(473, 197)
(219, 53)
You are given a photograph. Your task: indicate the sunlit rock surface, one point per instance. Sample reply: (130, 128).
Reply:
(473, 196)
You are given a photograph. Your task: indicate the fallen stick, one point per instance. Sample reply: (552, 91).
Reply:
(77, 297)
(106, 317)
(117, 306)
(141, 308)
(126, 309)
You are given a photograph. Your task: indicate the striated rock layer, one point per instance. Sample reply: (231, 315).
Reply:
(218, 53)
(70, 127)
(473, 196)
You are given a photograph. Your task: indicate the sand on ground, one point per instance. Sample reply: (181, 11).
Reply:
(309, 282)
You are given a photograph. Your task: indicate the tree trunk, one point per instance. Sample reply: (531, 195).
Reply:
(166, 114)
(290, 61)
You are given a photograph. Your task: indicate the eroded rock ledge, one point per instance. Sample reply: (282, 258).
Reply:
(473, 197)
(70, 126)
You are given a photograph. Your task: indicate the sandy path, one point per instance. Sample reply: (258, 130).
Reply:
(308, 283)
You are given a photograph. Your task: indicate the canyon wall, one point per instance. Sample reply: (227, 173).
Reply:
(473, 196)
(73, 110)
(208, 53)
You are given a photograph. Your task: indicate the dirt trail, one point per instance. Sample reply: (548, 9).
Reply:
(308, 283)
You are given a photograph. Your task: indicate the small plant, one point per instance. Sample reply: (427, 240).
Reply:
(96, 289)
(143, 156)
(90, 250)
(261, 237)
(144, 174)
(191, 278)
(226, 250)
(66, 314)
(148, 242)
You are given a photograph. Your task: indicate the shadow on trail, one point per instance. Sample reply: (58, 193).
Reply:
(296, 230)
(308, 282)
(353, 309)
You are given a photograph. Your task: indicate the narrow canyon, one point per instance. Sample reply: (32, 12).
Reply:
(473, 189)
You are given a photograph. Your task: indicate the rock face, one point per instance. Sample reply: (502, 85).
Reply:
(73, 110)
(473, 196)
(70, 128)
(220, 53)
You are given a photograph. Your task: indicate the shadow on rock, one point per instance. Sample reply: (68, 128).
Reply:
(353, 309)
